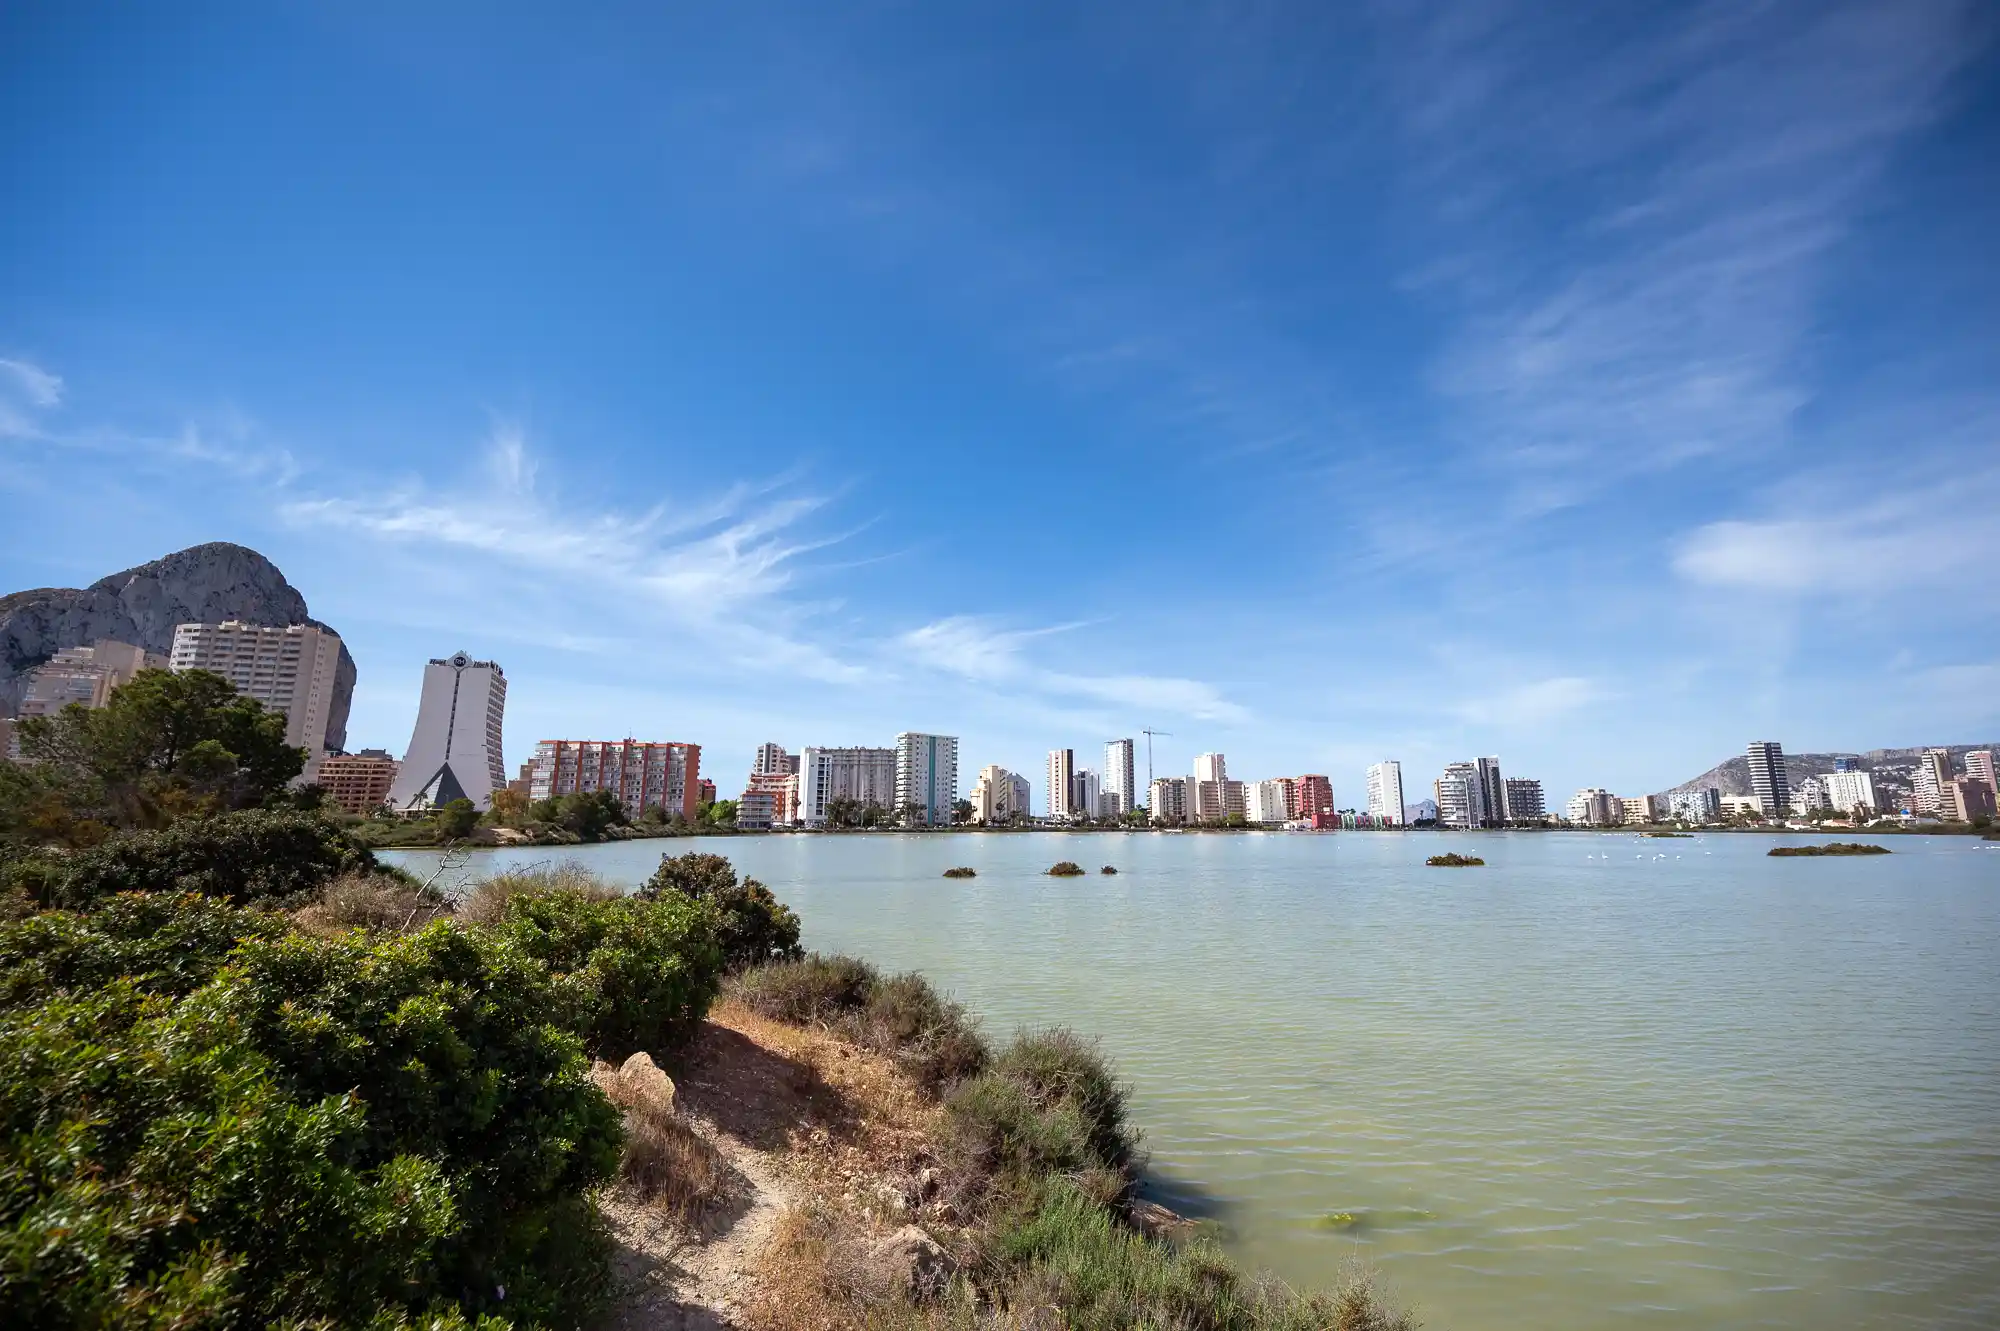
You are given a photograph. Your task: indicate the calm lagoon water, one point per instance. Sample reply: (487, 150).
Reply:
(1601, 1082)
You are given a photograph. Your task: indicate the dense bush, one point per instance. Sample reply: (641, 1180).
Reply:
(327, 1129)
(160, 944)
(755, 927)
(634, 973)
(238, 857)
(902, 1016)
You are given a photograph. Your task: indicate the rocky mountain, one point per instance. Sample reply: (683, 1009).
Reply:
(1891, 767)
(204, 583)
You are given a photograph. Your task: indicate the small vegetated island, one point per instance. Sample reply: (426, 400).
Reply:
(961, 872)
(1109, 868)
(1830, 848)
(1453, 860)
(1066, 869)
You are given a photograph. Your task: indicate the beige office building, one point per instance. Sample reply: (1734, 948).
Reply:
(289, 670)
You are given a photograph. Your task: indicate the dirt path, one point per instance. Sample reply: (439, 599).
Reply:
(794, 1114)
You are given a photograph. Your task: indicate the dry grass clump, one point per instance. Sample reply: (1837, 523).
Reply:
(928, 1035)
(487, 902)
(375, 902)
(669, 1163)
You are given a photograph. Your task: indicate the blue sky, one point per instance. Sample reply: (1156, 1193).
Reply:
(1317, 383)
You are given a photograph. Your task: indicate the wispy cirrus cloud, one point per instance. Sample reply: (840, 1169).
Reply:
(1645, 230)
(723, 567)
(977, 649)
(1535, 703)
(26, 392)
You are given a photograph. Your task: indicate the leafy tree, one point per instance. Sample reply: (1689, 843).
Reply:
(961, 811)
(165, 745)
(455, 820)
(843, 811)
(755, 927)
(509, 808)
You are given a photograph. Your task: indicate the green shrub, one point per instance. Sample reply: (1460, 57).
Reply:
(928, 1035)
(814, 990)
(755, 927)
(1065, 869)
(160, 944)
(328, 1130)
(1048, 1105)
(238, 857)
(635, 974)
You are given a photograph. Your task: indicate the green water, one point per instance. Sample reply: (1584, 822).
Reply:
(1601, 1082)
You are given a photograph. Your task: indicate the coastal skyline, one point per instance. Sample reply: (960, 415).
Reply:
(1038, 382)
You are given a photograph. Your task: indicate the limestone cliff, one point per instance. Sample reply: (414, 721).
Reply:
(204, 583)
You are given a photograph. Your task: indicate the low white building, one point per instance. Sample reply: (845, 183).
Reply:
(1698, 806)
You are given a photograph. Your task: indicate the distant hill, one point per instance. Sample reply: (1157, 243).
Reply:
(1890, 767)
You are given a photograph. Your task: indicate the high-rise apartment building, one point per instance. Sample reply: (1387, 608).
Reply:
(1086, 789)
(1492, 792)
(927, 776)
(85, 675)
(1967, 798)
(1850, 790)
(1597, 807)
(1119, 776)
(1385, 793)
(357, 782)
(1698, 806)
(1211, 767)
(1461, 795)
(1312, 795)
(454, 751)
(1265, 802)
(1062, 783)
(1930, 781)
(1524, 802)
(1767, 777)
(663, 775)
(1847, 763)
(773, 760)
(290, 670)
(1979, 765)
(770, 800)
(1167, 800)
(865, 776)
(999, 794)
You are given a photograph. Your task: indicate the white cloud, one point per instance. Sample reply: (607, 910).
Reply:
(1535, 703)
(973, 648)
(1933, 535)
(26, 391)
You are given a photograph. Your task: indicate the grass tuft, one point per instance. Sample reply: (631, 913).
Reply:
(487, 902)
(374, 902)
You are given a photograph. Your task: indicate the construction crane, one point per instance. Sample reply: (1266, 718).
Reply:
(1164, 734)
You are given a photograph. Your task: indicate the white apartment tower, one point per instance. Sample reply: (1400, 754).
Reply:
(1086, 790)
(772, 760)
(1062, 783)
(454, 751)
(1767, 777)
(866, 776)
(1265, 802)
(289, 670)
(1118, 774)
(1460, 796)
(927, 775)
(1931, 783)
(1385, 792)
(1167, 800)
